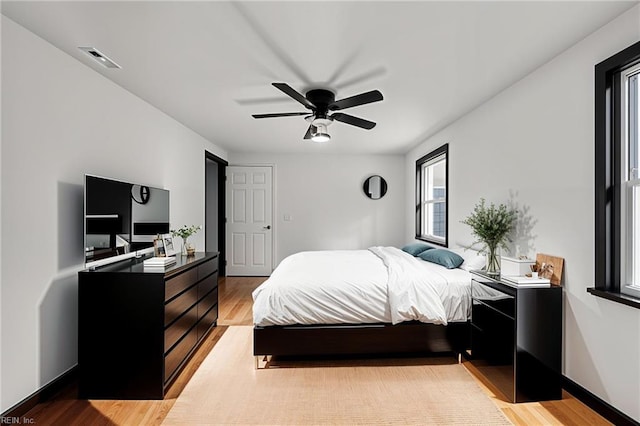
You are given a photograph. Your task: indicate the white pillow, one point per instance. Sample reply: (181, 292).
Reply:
(473, 260)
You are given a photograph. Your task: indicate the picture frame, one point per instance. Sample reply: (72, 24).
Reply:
(158, 247)
(169, 249)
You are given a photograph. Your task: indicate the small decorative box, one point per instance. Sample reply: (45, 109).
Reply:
(510, 266)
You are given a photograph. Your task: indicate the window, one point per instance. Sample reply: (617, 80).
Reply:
(432, 175)
(629, 185)
(617, 182)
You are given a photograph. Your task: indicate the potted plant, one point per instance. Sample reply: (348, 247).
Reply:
(185, 232)
(492, 226)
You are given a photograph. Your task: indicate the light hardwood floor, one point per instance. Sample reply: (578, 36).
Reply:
(235, 309)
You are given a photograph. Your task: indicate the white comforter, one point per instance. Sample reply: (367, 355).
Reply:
(381, 284)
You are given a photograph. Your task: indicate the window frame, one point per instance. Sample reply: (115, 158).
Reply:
(608, 172)
(629, 181)
(419, 234)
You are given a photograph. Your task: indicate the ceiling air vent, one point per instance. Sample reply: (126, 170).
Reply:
(99, 57)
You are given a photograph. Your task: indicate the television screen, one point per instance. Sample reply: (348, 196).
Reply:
(121, 218)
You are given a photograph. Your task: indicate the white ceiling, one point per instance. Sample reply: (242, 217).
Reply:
(210, 65)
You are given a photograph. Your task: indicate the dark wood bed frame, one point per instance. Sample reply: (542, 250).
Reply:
(361, 339)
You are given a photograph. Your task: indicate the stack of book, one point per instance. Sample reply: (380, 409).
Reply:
(158, 264)
(524, 281)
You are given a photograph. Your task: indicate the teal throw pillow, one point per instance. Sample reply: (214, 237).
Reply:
(446, 258)
(416, 248)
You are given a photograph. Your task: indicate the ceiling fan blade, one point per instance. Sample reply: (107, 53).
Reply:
(361, 99)
(279, 114)
(294, 94)
(354, 121)
(310, 131)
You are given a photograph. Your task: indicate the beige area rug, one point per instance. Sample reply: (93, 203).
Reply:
(227, 389)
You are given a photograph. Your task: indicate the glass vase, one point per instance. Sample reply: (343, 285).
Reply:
(188, 249)
(493, 261)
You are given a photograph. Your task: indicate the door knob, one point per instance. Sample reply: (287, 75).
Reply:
(266, 227)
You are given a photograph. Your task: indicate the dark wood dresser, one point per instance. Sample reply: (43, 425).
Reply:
(516, 338)
(137, 329)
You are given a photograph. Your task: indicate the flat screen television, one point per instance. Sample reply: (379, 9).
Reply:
(121, 219)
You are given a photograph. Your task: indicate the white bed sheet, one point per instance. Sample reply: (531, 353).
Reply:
(352, 287)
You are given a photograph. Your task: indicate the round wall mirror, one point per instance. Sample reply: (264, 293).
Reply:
(375, 187)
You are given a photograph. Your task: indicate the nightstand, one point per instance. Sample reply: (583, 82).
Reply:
(516, 338)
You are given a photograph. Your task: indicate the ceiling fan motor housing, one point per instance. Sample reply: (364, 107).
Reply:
(321, 98)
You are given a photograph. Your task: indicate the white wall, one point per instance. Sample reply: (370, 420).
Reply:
(60, 119)
(1, 239)
(533, 145)
(323, 195)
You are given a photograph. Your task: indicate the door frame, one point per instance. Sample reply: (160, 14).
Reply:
(222, 226)
(274, 222)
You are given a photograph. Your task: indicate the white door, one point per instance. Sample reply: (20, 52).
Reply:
(249, 220)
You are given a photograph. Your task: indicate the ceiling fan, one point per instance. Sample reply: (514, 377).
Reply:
(321, 102)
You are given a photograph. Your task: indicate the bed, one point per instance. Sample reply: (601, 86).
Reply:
(383, 300)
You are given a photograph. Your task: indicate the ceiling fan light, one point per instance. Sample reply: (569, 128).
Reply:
(321, 134)
(321, 137)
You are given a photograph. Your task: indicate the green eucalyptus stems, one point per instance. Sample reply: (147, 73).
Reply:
(492, 226)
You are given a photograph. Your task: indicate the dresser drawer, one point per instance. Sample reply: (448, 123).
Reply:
(485, 317)
(180, 304)
(498, 300)
(182, 325)
(178, 284)
(208, 268)
(207, 322)
(174, 358)
(207, 302)
(205, 286)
